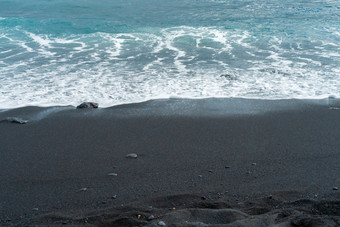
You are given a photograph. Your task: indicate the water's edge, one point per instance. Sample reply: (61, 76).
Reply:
(211, 107)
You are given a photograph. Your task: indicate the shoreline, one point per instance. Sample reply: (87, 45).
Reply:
(182, 106)
(57, 166)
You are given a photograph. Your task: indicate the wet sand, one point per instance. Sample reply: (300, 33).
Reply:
(213, 161)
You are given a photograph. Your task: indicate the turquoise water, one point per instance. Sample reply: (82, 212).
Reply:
(60, 52)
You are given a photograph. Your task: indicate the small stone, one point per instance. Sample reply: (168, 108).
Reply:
(112, 174)
(270, 196)
(161, 223)
(64, 222)
(248, 172)
(254, 164)
(200, 176)
(114, 197)
(83, 189)
(104, 202)
(203, 198)
(210, 171)
(335, 188)
(88, 105)
(132, 155)
(35, 209)
(151, 217)
(227, 167)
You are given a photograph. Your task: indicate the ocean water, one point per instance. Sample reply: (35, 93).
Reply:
(62, 52)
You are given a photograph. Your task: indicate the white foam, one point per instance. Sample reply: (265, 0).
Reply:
(182, 61)
(41, 41)
(171, 35)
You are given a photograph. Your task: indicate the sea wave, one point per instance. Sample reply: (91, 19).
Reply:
(65, 52)
(190, 62)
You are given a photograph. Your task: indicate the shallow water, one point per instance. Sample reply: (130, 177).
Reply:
(113, 52)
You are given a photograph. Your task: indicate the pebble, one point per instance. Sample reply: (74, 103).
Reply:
(83, 189)
(132, 155)
(335, 188)
(88, 105)
(254, 164)
(35, 209)
(199, 175)
(227, 167)
(203, 198)
(114, 197)
(161, 223)
(112, 174)
(151, 217)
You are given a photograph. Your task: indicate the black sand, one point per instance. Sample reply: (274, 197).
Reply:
(214, 161)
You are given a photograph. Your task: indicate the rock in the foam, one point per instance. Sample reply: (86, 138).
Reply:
(88, 105)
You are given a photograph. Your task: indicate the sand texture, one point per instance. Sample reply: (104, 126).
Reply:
(210, 162)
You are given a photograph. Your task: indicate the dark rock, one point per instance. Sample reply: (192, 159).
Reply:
(228, 76)
(17, 120)
(335, 188)
(88, 105)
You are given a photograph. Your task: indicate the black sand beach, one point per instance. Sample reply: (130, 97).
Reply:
(226, 162)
